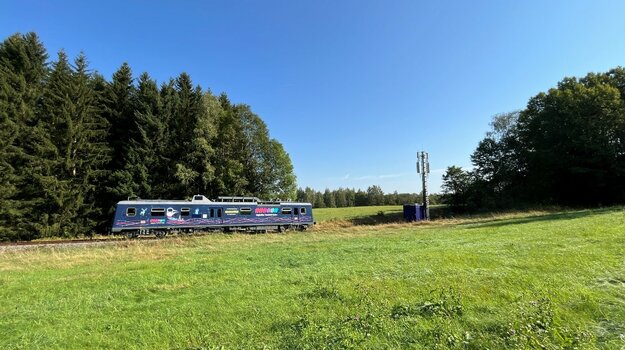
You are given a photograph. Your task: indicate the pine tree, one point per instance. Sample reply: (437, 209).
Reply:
(319, 200)
(9, 211)
(22, 72)
(350, 197)
(119, 112)
(360, 198)
(229, 153)
(165, 187)
(328, 199)
(148, 149)
(310, 195)
(301, 195)
(73, 151)
(375, 195)
(91, 152)
(193, 131)
(341, 199)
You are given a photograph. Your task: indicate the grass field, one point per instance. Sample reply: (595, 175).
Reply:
(528, 280)
(366, 215)
(327, 214)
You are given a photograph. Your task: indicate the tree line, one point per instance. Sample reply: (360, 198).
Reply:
(72, 144)
(349, 197)
(567, 147)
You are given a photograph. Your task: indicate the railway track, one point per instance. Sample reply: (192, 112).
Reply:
(66, 242)
(77, 242)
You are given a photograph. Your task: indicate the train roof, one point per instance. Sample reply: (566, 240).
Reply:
(199, 199)
(181, 202)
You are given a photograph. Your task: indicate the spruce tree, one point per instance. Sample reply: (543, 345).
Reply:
(119, 111)
(123, 131)
(193, 131)
(230, 147)
(91, 152)
(310, 195)
(328, 199)
(148, 149)
(341, 198)
(9, 211)
(73, 153)
(166, 187)
(319, 200)
(22, 72)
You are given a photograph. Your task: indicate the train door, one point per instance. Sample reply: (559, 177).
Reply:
(296, 215)
(215, 214)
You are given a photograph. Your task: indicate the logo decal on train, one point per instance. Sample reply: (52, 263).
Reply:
(231, 211)
(264, 211)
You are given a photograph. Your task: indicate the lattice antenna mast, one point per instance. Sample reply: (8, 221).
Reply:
(423, 168)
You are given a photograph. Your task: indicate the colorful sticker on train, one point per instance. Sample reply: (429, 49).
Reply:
(264, 211)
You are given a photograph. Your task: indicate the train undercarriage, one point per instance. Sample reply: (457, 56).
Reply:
(163, 232)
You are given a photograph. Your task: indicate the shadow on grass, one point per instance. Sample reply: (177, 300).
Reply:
(556, 216)
(481, 219)
(395, 217)
(378, 219)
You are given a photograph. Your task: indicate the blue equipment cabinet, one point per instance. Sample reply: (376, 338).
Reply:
(414, 212)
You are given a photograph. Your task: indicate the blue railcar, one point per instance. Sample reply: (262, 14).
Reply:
(135, 217)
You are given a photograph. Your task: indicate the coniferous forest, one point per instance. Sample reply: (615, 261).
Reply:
(73, 143)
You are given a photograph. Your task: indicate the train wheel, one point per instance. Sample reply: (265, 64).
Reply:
(160, 234)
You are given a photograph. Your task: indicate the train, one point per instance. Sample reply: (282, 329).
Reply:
(226, 214)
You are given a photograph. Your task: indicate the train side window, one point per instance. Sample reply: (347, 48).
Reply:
(219, 212)
(286, 210)
(296, 211)
(303, 211)
(245, 211)
(131, 211)
(212, 212)
(157, 212)
(185, 212)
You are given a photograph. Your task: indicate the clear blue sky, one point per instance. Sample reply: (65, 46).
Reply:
(351, 88)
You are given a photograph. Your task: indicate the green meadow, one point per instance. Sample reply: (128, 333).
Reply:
(542, 279)
(369, 215)
(351, 213)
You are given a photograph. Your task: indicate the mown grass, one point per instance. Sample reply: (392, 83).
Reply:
(327, 214)
(369, 215)
(523, 280)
